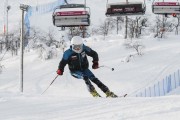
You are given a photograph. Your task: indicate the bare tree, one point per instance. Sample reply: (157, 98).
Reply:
(132, 27)
(62, 44)
(35, 34)
(142, 23)
(45, 52)
(2, 44)
(74, 31)
(38, 36)
(14, 41)
(13, 46)
(118, 20)
(106, 27)
(177, 25)
(136, 25)
(50, 38)
(94, 31)
(78, 31)
(162, 26)
(1, 68)
(136, 45)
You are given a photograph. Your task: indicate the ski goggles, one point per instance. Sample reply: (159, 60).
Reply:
(77, 47)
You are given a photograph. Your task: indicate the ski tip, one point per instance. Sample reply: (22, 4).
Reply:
(125, 95)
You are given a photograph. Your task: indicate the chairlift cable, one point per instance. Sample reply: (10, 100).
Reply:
(145, 5)
(66, 2)
(107, 4)
(85, 4)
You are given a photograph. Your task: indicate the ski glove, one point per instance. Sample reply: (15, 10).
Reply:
(95, 65)
(59, 72)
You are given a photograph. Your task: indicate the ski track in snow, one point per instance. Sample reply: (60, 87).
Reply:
(89, 108)
(168, 69)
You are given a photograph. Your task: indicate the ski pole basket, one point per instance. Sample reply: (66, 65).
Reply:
(125, 9)
(166, 8)
(71, 15)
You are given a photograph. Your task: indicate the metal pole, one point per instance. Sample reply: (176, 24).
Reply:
(7, 34)
(117, 24)
(50, 84)
(7, 28)
(22, 52)
(5, 5)
(163, 19)
(23, 8)
(85, 4)
(126, 20)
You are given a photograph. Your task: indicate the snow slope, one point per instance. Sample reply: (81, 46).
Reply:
(68, 98)
(53, 108)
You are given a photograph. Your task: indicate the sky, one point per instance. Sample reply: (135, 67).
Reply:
(68, 98)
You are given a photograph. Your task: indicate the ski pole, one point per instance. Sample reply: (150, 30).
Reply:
(50, 84)
(107, 67)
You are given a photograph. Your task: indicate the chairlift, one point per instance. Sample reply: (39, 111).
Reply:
(166, 8)
(125, 8)
(71, 15)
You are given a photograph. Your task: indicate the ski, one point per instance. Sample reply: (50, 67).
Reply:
(123, 95)
(115, 97)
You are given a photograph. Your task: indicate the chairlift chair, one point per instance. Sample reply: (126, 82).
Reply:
(71, 15)
(166, 8)
(125, 9)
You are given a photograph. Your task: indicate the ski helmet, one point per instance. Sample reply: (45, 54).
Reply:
(77, 44)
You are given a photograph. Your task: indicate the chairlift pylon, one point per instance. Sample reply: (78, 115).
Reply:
(166, 8)
(71, 15)
(125, 8)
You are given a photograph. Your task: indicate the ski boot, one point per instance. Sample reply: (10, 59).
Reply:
(110, 94)
(95, 93)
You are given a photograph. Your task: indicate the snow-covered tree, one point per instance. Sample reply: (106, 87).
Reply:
(106, 27)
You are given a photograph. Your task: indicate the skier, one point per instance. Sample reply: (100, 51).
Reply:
(76, 58)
